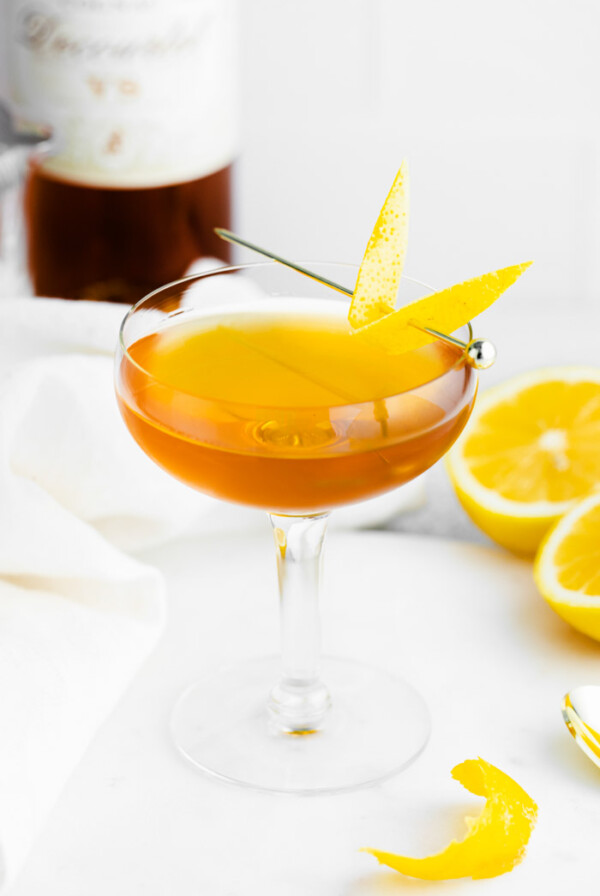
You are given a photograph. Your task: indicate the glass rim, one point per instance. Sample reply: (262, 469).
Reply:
(461, 360)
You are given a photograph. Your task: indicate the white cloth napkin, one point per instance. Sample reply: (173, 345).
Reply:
(78, 615)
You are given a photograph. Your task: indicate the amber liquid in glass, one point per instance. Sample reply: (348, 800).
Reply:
(117, 245)
(289, 411)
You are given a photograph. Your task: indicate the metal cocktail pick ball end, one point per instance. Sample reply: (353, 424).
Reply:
(481, 353)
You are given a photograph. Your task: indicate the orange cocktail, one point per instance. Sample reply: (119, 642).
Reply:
(248, 384)
(284, 409)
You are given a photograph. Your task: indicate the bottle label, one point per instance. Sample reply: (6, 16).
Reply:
(139, 93)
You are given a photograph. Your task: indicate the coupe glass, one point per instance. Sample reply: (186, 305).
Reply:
(301, 723)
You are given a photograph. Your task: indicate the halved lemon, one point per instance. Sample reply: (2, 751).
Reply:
(530, 451)
(567, 567)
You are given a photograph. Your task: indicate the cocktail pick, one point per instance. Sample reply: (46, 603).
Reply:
(480, 353)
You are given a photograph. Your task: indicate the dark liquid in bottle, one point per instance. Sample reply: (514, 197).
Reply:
(117, 245)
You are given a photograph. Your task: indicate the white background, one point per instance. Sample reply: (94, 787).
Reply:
(495, 105)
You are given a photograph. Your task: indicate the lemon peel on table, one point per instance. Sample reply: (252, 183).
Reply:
(529, 453)
(444, 311)
(567, 567)
(495, 841)
(381, 268)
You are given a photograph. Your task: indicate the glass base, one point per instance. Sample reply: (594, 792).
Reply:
(376, 727)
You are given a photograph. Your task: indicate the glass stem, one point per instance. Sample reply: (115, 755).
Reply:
(300, 701)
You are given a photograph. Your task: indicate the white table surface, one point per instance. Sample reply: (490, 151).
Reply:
(463, 622)
(134, 818)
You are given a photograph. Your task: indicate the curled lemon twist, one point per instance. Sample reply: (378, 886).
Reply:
(495, 840)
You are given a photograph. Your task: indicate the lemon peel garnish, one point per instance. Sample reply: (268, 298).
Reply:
(445, 311)
(381, 268)
(495, 841)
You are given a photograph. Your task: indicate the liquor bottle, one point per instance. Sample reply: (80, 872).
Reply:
(140, 96)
